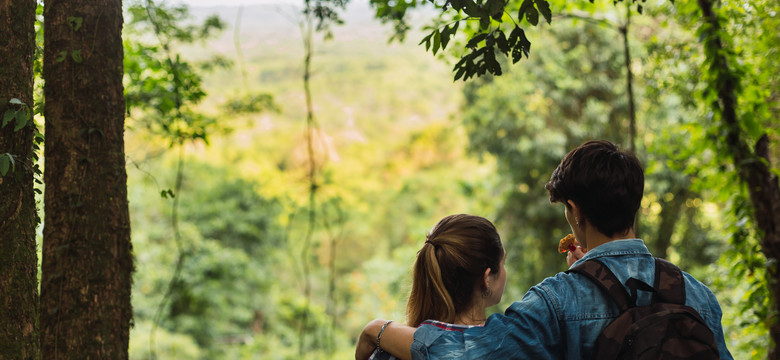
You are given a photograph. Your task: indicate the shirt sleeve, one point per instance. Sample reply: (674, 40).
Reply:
(717, 327)
(528, 329)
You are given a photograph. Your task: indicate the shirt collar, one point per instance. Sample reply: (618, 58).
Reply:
(615, 247)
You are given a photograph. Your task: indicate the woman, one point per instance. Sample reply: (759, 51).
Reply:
(459, 272)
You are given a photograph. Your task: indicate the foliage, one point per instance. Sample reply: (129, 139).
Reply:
(739, 109)
(170, 345)
(398, 144)
(20, 115)
(158, 80)
(493, 29)
(17, 111)
(325, 12)
(245, 198)
(251, 103)
(532, 115)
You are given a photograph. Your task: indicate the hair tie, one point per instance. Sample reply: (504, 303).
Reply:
(429, 242)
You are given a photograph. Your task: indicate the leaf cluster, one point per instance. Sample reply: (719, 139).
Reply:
(252, 103)
(20, 115)
(171, 24)
(18, 112)
(159, 82)
(491, 38)
(325, 12)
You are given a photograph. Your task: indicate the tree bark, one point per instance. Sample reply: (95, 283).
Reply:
(18, 217)
(87, 263)
(752, 166)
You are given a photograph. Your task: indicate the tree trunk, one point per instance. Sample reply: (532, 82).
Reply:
(87, 263)
(752, 165)
(18, 218)
(670, 214)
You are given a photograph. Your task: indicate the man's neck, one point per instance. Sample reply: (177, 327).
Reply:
(596, 238)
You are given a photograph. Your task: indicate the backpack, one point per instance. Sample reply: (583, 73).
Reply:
(665, 329)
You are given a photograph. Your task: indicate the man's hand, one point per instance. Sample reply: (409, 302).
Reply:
(575, 255)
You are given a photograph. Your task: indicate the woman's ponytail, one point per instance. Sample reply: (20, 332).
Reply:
(454, 257)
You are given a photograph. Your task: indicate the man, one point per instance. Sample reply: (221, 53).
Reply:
(560, 318)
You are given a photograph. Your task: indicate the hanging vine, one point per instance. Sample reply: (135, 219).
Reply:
(317, 16)
(307, 34)
(175, 87)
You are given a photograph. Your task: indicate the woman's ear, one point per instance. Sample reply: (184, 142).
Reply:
(486, 280)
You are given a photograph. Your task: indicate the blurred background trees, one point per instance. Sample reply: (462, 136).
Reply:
(218, 162)
(402, 147)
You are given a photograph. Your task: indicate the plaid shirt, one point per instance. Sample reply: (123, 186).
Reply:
(378, 354)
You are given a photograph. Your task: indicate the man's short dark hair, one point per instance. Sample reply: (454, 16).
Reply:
(604, 182)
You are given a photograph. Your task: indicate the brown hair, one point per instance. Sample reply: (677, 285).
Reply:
(606, 183)
(453, 259)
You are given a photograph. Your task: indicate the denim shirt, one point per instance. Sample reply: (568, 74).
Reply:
(561, 317)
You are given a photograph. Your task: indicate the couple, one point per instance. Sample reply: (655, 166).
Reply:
(460, 271)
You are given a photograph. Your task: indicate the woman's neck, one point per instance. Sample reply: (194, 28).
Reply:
(473, 316)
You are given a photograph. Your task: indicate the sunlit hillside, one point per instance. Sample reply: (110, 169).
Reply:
(390, 159)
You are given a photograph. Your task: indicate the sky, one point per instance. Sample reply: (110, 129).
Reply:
(199, 3)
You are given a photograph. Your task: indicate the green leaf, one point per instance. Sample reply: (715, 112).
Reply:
(496, 9)
(523, 8)
(427, 41)
(475, 40)
(15, 101)
(75, 22)
(76, 55)
(514, 35)
(4, 164)
(436, 41)
(21, 119)
(532, 16)
(495, 6)
(521, 44)
(7, 116)
(445, 37)
(484, 23)
(459, 73)
(502, 42)
(472, 9)
(544, 8)
(61, 56)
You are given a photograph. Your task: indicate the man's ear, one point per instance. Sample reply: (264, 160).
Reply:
(575, 210)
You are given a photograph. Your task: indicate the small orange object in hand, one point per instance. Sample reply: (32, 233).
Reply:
(568, 243)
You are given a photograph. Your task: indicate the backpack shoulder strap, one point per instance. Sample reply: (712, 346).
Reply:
(600, 274)
(669, 283)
